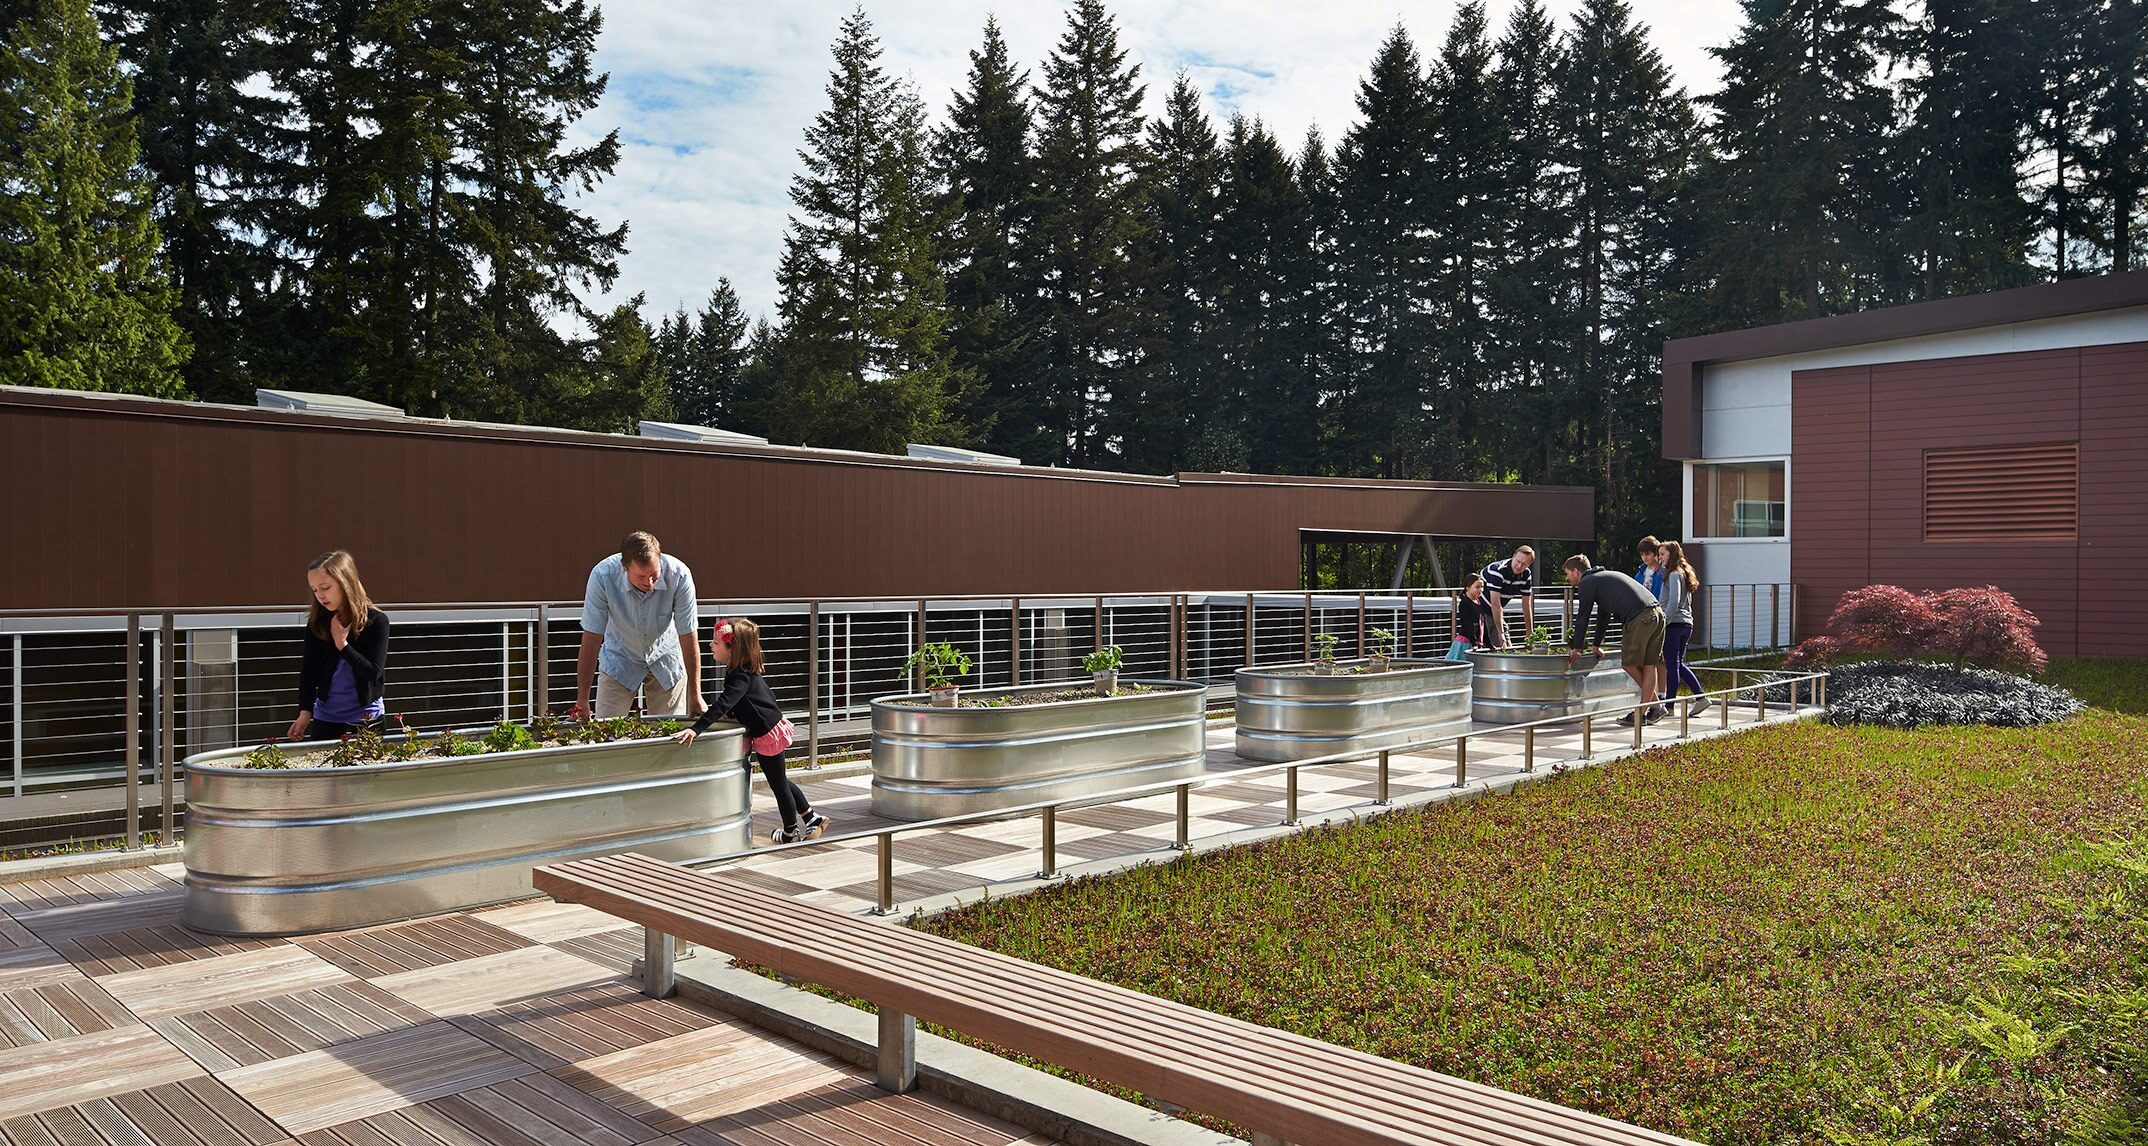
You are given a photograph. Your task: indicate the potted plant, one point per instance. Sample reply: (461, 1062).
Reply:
(1538, 640)
(1103, 666)
(940, 663)
(1324, 654)
(1383, 649)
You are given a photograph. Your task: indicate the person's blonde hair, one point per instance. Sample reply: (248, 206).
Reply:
(1579, 563)
(744, 637)
(1526, 551)
(1674, 561)
(340, 565)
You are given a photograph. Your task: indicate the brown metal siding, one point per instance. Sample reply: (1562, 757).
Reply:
(2003, 493)
(2088, 593)
(135, 503)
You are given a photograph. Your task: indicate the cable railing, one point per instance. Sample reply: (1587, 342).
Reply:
(110, 698)
(1805, 690)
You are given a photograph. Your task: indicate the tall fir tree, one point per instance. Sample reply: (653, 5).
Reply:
(1796, 182)
(1971, 89)
(1171, 382)
(983, 161)
(2115, 74)
(702, 360)
(85, 303)
(209, 136)
(1470, 216)
(1384, 267)
(2057, 169)
(1263, 411)
(1079, 252)
(864, 340)
(1328, 355)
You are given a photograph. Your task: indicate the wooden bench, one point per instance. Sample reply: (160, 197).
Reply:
(1286, 1088)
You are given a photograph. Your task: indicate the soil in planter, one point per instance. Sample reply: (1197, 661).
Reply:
(1350, 670)
(372, 747)
(1076, 692)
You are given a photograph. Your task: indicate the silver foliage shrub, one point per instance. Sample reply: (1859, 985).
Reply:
(1897, 694)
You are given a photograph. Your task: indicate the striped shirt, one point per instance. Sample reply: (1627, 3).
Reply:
(1500, 578)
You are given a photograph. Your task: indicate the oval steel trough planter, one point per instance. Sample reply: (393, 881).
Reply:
(1287, 712)
(296, 850)
(1513, 687)
(933, 762)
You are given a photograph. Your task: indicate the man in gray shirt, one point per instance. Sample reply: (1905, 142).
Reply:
(638, 634)
(1601, 594)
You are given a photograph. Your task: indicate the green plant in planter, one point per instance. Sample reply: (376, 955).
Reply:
(1539, 639)
(1383, 643)
(453, 743)
(941, 664)
(267, 756)
(1324, 646)
(507, 737)
(1106, 659)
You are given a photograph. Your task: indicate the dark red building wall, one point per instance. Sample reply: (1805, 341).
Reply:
(1858, 440)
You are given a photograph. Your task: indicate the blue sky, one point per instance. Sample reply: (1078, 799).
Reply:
(711, 101)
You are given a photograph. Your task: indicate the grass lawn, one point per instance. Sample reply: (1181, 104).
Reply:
(1798, 934)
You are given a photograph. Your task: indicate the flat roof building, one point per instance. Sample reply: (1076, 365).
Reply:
(1998, 438)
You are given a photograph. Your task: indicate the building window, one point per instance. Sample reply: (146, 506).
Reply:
(2003, 493)
(1740, 499)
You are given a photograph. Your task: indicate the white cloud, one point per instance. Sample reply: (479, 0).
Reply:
(711, 102)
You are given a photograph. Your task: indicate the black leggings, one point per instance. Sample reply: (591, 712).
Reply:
(790, 800)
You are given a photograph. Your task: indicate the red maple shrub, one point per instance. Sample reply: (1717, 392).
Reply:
(1985, 627)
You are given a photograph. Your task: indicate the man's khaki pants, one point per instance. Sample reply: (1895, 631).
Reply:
(616, 699)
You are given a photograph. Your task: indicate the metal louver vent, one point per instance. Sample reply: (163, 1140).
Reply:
(2003, 493)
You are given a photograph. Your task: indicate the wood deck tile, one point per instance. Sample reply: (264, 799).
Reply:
(49, 1075)
(853, 1112)
(412, 946)
(567, 1028)
(226, 979)
(535, 1110)
(370, 1076)
(33, 965)
(103, 916)
(495, 980)
(243, 1034)
(616, 949)
(57, 1011)
(548, 921)
(95, 887)
(692, 1078)
(13, 934)
(197, 1112)
(119, 952)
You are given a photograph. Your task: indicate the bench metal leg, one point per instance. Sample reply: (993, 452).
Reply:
(658, 957)
(897, 1070)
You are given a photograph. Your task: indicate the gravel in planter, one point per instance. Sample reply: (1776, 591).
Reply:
(1896, 694)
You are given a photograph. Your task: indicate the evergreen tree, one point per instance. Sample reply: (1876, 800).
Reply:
(1529, 291)
(864, 337)
(1169, 387)
(1384, 268)
(1327, 356)
(1264, 411)
(2115, 76)
(702, 359)
(1799, 138)
(616, 379)
(1470, 216)
(982, 159)
(84, 302)
(1971, 88)
(2059, 118)
(1079, 251)
(209, 138)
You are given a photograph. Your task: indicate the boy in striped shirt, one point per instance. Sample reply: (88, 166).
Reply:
(1506, 580)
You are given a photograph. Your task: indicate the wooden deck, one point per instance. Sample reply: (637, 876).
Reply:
(513, 1025)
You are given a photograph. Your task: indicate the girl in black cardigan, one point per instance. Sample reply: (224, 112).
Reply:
(343, 669)
(746, 699)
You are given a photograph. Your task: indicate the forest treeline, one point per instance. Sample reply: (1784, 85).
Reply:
(1472, 281)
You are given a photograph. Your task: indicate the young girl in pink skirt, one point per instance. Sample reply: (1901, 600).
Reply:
(746, 699)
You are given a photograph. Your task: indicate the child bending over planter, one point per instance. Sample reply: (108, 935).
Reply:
(746, 699)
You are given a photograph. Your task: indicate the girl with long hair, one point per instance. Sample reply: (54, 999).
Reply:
(1680, 583)
(343, 668)
(746, 699)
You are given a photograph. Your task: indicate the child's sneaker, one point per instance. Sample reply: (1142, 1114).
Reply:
(786, 836)
(814, 825)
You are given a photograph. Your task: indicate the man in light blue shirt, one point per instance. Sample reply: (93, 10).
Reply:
(638, 634)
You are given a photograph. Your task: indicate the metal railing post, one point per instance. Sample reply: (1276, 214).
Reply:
(1409, 623)
(1250, 659)
(1685, 719)
(541, 640)
(1638, 711)
(1725, 704)
(167, 735)
(1290, 797)
(1821, 681)
(1183, 838)
(15, 723)
(1097, 625)
(1760, 702)
(895, 1070)
(1381, 799)
(134, 731)
(918, 683)
(1775, 615)
(886, 865)
(1461, 761)
(659, 964)
(1308, 626)
(812, 687)
(1588, 730)
(1361, 624)
(507, 671)
(1528, 749)
(1014, 641)
(1050, 845)
(1733, 617)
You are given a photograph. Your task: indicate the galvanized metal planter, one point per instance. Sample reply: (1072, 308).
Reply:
(1512, 687)
(1289, 713)
(283, 852)
(933, 762)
